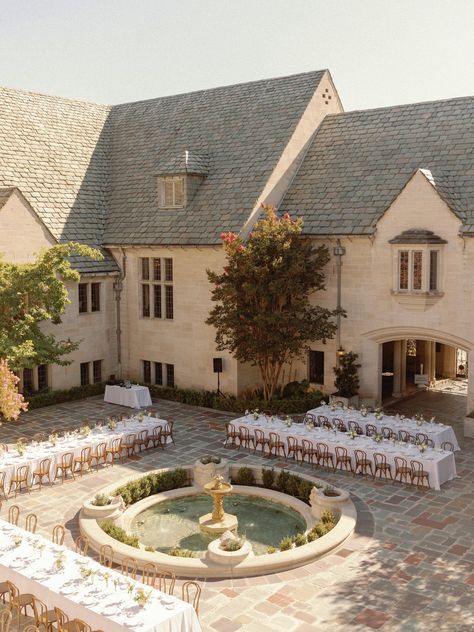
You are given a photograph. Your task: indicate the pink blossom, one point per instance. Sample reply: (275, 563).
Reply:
(228, 238)
(11, 401)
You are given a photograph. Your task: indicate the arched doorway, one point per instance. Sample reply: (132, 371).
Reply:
(409, 358)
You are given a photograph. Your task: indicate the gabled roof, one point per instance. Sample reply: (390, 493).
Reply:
(417, 236)
(242, 130)
(5, 194)
(188, 162)
(359, 162)
(54, 151)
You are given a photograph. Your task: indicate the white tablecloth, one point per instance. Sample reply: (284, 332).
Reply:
(438, 433)
(109, 607)
(134, 397)
(10, 460)
(438, 463)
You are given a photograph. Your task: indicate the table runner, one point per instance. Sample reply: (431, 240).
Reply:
(438, 463)
(106, 606)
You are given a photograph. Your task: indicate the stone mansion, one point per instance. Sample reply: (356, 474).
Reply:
(153, 184)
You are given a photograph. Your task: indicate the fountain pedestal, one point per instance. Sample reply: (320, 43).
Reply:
(218, 521)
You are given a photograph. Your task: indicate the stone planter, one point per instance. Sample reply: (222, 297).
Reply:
(228, 558)
(204, 473)
(345, 401)
(321, 503)
(111, 512)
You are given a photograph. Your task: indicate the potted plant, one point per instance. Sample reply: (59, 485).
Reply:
(347, 380)
(104, 507)
(207, 467)
(327, 498)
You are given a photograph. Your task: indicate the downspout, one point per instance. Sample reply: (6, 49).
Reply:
(339, 252)
(118, 288)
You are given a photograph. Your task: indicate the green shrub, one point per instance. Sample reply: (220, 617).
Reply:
(304, 489)
(328, 517)
(150, 549)
(153, 483)
(271, 549)
(282, 481)
(245, 476)
(48, 398)
(177, 552)
(205, 460)
(299, 539)
(321, 528)
(101, 500)
(286, 544)
(292, 485)
(233, 545)
(268, 477)
(117, 533)
(312, 535)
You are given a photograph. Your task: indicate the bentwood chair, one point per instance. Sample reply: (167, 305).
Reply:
(404, 436)
(84, 461)
(99, 455)
(381, 466)
(2, 485)
(421, 437)
(275, 443)
(5, 621)
(191, 593)
(430, 443)
(362, 463)
(232, 434)
(155, 438)
(245, 438)
(44, 619)
(82, 545)
(418, 474)
(387, 432)
(310, 418)
(58, 534)
(30, 522)
(323, 421)
(106, 555)
(402, 470)
(20, 479)
(166, 581)
(42, 471)
(129, 567)
(128, 445)
(447, 445)
(167, 433)
(354, 426)
(20, 602)
(339, 424)
(343, 460)
(142, 439)
(13, 514)
(370, 430)
(115, 450)
(308, 451)
(149, 573)
(64, 624)
(3, 447)
(324, 456)
(294, 448)
(260, 440)
(65, 467)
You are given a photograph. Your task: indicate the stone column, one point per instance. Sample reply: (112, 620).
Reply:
(397, 368)
(403, 367)
(432, 373)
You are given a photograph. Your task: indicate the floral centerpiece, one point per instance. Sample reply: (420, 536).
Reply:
(363, 410)
(140, 416)
(352, 434)
(288, 421)
(420, 420)
(17, 540)
(53, 438)
(86, 572)
(378, 438)
(59, 562)
(333, 406)
(142, 597)
(85, 430)
(422, 447)
(378, 414)
(310, 425)
(20, 447)
(111, 423)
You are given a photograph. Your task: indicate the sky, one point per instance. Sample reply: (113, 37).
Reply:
(379, 52)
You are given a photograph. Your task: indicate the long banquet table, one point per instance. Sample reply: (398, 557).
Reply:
(33, 454)
(134, 397)
(437, 432)
(105, 600)
(438, 463)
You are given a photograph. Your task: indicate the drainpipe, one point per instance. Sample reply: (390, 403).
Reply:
(118, 287)
(339, 251)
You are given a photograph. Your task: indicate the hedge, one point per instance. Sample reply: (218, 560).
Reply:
(284, 482)
(209, 399)
(153, 483)
(49, 398)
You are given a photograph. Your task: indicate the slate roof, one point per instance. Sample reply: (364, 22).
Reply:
(241, 129)
(359, 161)
(417, 236)
(54, 151)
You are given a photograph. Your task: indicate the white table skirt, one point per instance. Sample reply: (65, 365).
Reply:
(134, 397)
(10, 460)
(438, 433)
(68, 590)
(439, 464)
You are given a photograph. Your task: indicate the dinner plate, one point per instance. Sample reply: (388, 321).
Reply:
(110, 609)
(88, 600)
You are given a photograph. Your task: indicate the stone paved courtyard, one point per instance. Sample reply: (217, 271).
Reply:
(409, 566)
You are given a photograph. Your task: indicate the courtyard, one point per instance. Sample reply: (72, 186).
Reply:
(409, 565)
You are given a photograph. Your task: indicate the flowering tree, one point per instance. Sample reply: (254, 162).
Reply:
(31, 294)
(11, 401)
(263, 313)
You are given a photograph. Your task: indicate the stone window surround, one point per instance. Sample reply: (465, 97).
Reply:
(425, 249)
(165, 281)
(89, 303)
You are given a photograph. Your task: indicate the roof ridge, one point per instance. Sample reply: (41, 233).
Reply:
(399, 106)
(54, 96)
(224, 87)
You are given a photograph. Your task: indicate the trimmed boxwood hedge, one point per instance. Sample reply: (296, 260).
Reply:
(284, 482)
(151, 484)
(48, 398)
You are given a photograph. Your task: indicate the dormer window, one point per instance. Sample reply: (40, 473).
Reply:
(171, 191)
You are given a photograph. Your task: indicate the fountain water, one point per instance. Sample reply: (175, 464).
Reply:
(218, 521)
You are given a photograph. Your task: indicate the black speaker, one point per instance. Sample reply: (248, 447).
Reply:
(217, 364)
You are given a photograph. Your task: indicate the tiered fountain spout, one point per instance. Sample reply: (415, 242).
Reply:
(218, 521)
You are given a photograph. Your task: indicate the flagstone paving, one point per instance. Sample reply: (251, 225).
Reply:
(409, 566)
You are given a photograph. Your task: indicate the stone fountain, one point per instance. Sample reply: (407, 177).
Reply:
(218, 521)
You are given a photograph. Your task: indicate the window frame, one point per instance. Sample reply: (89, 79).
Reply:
(157, 301)
(83, 365)
(84, 300)
(310, 367)
(177, 198)
(97, 306)
(425, 275)
(96, 363)
(43, 382)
